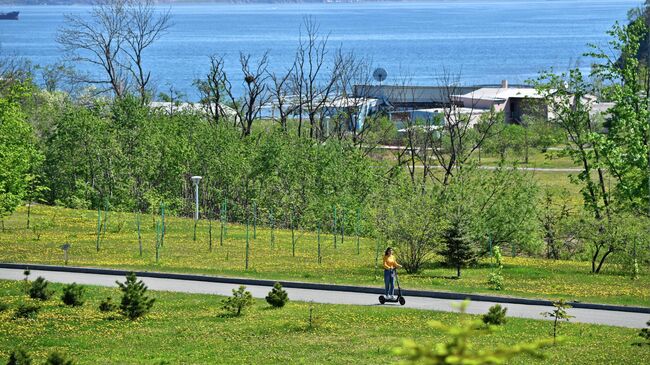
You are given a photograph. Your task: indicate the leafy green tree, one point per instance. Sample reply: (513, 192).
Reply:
(19, 156)
(410, 218)
(277, 297)
(135, 303)
(240, 300)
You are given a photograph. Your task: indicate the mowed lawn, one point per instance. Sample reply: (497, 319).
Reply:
(527, 277)
(193, 329)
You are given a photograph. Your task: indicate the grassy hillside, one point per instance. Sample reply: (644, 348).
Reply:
(53, 226)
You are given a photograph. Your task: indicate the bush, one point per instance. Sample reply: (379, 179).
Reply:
(72, 295)
(19, 357)
(645, 334)
(27, 311)
(495, 279)
(3, 307)
(241, 299)
(277, 297)
(495, 316)
(107, 305)
(135, 303)
(57, 359)
(39, 289)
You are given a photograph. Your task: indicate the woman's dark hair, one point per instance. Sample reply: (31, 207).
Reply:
(388, 249)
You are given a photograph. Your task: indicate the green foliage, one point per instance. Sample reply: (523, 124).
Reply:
(277, 297)
(56, 358)
(135, 303)
(499, 205)
(19, 157)
(27, 310)
(410, 218)
(3, 307)
(107, 305)
(495, 316)
(459, 349)
(240, 300)
(39, 290)
(558, 314)
(19, 357)
(73, 295)
(495, 278)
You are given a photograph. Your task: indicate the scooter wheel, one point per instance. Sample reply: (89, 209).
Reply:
(382, 299)
(402, 301)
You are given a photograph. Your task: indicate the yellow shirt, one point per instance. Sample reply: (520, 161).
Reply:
(390, 262)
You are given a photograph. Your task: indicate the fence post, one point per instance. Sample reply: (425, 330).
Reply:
(334, 226)
(99, 227)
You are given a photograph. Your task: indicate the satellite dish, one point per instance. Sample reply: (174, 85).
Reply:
(380, 74)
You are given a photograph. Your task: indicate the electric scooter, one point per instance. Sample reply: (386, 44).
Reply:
(399, 299)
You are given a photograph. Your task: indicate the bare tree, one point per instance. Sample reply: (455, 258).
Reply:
(255, 91)
(114, 39)
(313, 82)
(99, 42)
(280, 93)
(215, 89)
(145, 26)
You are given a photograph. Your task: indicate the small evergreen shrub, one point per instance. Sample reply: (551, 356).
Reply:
(135, 303)
(107, 305)
(26, 311)
(39, 289)
(240, 300)
(277, 297)
(57, 359)
(19, 357)
(495, 316)
(645, 334)
(73, 295)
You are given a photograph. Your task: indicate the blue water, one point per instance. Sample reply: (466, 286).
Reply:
(484, 41)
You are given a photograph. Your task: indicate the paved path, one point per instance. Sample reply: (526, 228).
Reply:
(613, 318)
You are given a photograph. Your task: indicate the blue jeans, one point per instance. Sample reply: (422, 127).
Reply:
(389, 281)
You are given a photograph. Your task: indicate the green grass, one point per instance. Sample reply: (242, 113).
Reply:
(192, 329)
(526, 277)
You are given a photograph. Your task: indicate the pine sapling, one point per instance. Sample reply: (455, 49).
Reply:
(277, 297)
(39, 289)
(240, 300)
(73, 295)
(135, 303)
(558, 314)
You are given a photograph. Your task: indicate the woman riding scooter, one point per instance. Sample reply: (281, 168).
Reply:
(390, 265)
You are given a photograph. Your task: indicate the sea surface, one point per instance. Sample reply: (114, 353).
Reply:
(483, 41)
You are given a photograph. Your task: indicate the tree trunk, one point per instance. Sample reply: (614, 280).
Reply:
(602, 260)
(458, 271)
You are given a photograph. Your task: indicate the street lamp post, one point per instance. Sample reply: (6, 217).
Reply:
(196, 180)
